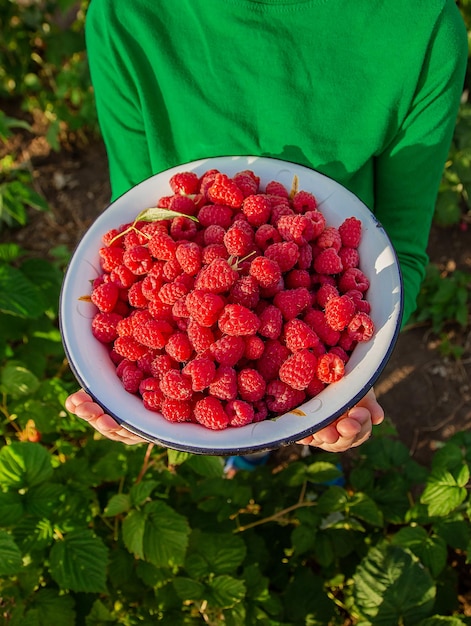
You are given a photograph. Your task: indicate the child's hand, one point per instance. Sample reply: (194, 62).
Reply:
(351, 429)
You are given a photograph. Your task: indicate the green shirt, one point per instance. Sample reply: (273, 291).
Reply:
(365, 91)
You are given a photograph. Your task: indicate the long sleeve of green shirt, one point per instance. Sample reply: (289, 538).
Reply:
(366, 92)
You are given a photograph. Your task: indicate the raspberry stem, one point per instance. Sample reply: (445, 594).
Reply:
(152, 214)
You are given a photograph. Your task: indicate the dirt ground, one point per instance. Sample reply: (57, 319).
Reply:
(425, 395)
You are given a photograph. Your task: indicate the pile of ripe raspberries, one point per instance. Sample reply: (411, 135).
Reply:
(240, 308)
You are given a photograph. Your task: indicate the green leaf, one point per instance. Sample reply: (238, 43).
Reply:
(53, 608)
(11, 561)
(18, 295)
(362, 506)
(175, 457)
(440, 620)
(42, 499)
(99, 614)
(11, 508)
(208, 466)
(443, 492)
(391, 587)
(225, 591)
(155, 214)
(166, 535)
(79, 562)
(140, 492)
(322, 472)
(431, 549)
(133, 532)
(222, 552)
(188, 589)
(305, 599)
(119, 503)
(16, 380)
(24, 465)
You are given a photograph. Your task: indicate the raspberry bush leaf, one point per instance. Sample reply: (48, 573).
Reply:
(18, 295)
(50, 607)
(445, 490)
(24, 465)
(431, 549)
(11, 561)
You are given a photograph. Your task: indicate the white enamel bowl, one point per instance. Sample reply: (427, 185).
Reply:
(94, 371)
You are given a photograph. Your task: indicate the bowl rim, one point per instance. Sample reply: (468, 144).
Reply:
(217, 162)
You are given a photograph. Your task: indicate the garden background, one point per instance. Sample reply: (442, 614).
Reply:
(95, 533)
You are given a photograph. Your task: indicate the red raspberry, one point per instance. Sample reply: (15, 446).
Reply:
(207, 180)
(125, 327)
(138, 260)
(135, 296)
(360, 303)
(339, 351)
(328, 262)
(346, 341)
(133, 238)
(201, 370)
(151, 394)
(214, 251)
(129, 348)
(257, 209)
(246, 292)
(152, 283)
(349, 257)
(183, 204)
(317, 222)
(217, 277)
(305, 257)
(297, 278)
(240, 413)
(162, 247)
(250, 384)
(204, 307)
(274, 355)
(299, 336)
(179, 347)
(201, 337)
(183, 228)
(238, 320)
(254, 347)
(297, 228)
(279, 207)
(268, 293)
(149, 229)
(330, 368)
(171, 292)
(239, 239)
(105, 297)
(265, 235)
(188, 254)
(325, 293)
(218, 214)
(111, 238)
(285, 253)
(185, 183)
(315, 387)
(179, 308)
(171, 270)
(260, 411)
(266, 271)
(176, 410)
(225, 191)
(304, 201)
(353, 278)
(282, 398)
(361, 327)
(145, 362)
(210, 413)
(350, 232)
(104, 326)
(298, 369)
(339, 310)
(330, 238)
(271, 322)
(131, 378)
(161, 364)
(153, 334)
(316, 320)
(224, 383)
(176, 385)
(110, 258)
(292, 302)
(122, 365)
(275, 188)
(214, 234)
(247, 182)
(160, 310)
(228, 350)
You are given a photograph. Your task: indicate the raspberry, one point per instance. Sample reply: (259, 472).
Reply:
(316, 320)
(204, 307)
(238, 320)
(185, 183)
(170, 292)
(228, 350)
(135, 296)
(221, 215)
(201, 337)
(298, 369)
(247, 182)
(104, 326)
(275, 188)
(317, 222)
(182, 204)
(361, 327)
(349, 257)
(328, 262)
(179, 347)
(254, 347)
(138, 260)
(160, 365)
(299, 336)
(152, 283)
(122, 276)
(325, 293)
(281, 398)
(250, 384)
(240, 413)
(201, 370)
(129, 348)
(292, 302)
(246, 292)
(214, 234)
(339, 311)
(339, 351)
(183, 228)
(329, 238)
(176, 410)
(305, 257)
(125, 327)
(217, 277)
(350, 232)
(304, 201)
(206, 180)
(210, 412)
(152, 397)
(330, 368)
(353, 278)
(239, 239)
(111, 238)
(188, 254)
(131, 378)
(315, 387)
(285, 253)
(179, 308)
(360, 303)
(280, 207)
(162, 247)
(171, 270)
(105, 297)
(154, 334)
(298, 278)
(272, 358)
(265, 235)
(110, 258)
(214, 251)
(271, 322)
(176, 385)
(257, 209)
(297, 228)
(266, 271)
(224, 383)
(160, 310)
(225, 191)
